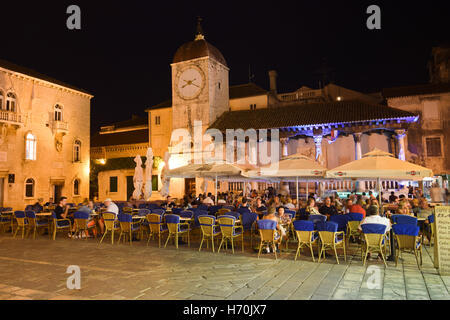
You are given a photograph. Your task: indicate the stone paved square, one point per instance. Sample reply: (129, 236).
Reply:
(121, 271)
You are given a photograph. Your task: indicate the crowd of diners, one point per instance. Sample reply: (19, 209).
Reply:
(268, 205)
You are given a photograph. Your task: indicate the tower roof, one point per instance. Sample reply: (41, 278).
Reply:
(198, 48)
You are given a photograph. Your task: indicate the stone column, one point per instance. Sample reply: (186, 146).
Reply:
(400, 136)
(284, 143)
(283, 184)
(357, 139)
(318, 143)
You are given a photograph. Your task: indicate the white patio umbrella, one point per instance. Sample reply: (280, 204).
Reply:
(148, 174)
(224, 171)
(138, 178)
(380, 165)
(291, 168)
(164, 176)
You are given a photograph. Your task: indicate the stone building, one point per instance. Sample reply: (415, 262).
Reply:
(113, 149)
(44, 138)
(427, 140)
(332, 124)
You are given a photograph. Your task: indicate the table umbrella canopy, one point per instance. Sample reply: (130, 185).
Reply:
(380, 164)
(221, 170)
(296, 165)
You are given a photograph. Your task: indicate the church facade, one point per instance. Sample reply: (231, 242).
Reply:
(44, 138)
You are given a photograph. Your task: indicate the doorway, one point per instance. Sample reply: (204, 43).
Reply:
(2, 189)
(130, 187)
(57, 192)
(189, 186)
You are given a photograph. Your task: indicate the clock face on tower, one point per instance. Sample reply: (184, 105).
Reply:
(189, 82)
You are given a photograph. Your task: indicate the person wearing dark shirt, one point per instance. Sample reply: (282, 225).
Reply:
(62, 209)
(392, 197)
(37, 207)
(328, 209)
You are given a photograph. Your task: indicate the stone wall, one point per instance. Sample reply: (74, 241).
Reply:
(35, 102)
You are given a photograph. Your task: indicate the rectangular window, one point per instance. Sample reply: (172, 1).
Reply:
(433, 147)
(253, 106)
(158, 120)
(154, 182)
(112, 184)
(29, 190)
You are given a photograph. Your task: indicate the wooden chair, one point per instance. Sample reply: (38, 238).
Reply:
(128, 227)
(60, 225)
(22, 222)
(228, 228)
(209, 230)
(35, 224)
(269, 235)
(81, 220)
(111, 225)
(374, 241)
(176, 228)
(306, 236)
(408, 240)
(330, 238)
(156, 227)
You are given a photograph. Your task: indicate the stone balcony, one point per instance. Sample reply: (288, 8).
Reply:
(59, 126)
(10, 117)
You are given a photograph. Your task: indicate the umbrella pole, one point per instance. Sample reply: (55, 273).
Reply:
(215, 188)
(307, 182)
(380, 204)
(296, 188)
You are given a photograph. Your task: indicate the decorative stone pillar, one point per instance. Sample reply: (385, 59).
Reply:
(318, 143)
(284, 186)
(400, 136)
(357, 139)
(284, 143)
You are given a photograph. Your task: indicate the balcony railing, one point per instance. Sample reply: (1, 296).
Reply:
(60, 126)
(299, 95)
(11, 117)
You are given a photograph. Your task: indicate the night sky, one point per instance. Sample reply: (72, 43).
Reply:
(122, 53)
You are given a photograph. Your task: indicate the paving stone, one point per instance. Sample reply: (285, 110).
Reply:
(147, 272)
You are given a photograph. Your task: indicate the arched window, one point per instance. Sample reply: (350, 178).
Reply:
(76, 187)
(11, 102)
(1, 100)
(58, 113)
(77, 151)
(30, 147)
(29, 188)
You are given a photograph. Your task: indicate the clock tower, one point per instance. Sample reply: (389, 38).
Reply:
(200, 90)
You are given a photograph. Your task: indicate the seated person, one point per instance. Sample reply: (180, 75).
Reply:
(328, 209)
(282, 217)
(374, 217)
(62, 209)
(38, 207)
(403, 208)
(169, 202)
(279, 231)
(260, 206)
(358, 207)
(392, 198)
(311, 207)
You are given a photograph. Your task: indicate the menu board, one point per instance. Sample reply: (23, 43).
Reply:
(442, 243)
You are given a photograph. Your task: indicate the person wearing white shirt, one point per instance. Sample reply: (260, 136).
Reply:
(372, 216)
(208, 200)
(111, 206)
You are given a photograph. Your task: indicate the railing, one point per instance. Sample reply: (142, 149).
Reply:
(299, 95)
(59, 125)
(11, 117)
